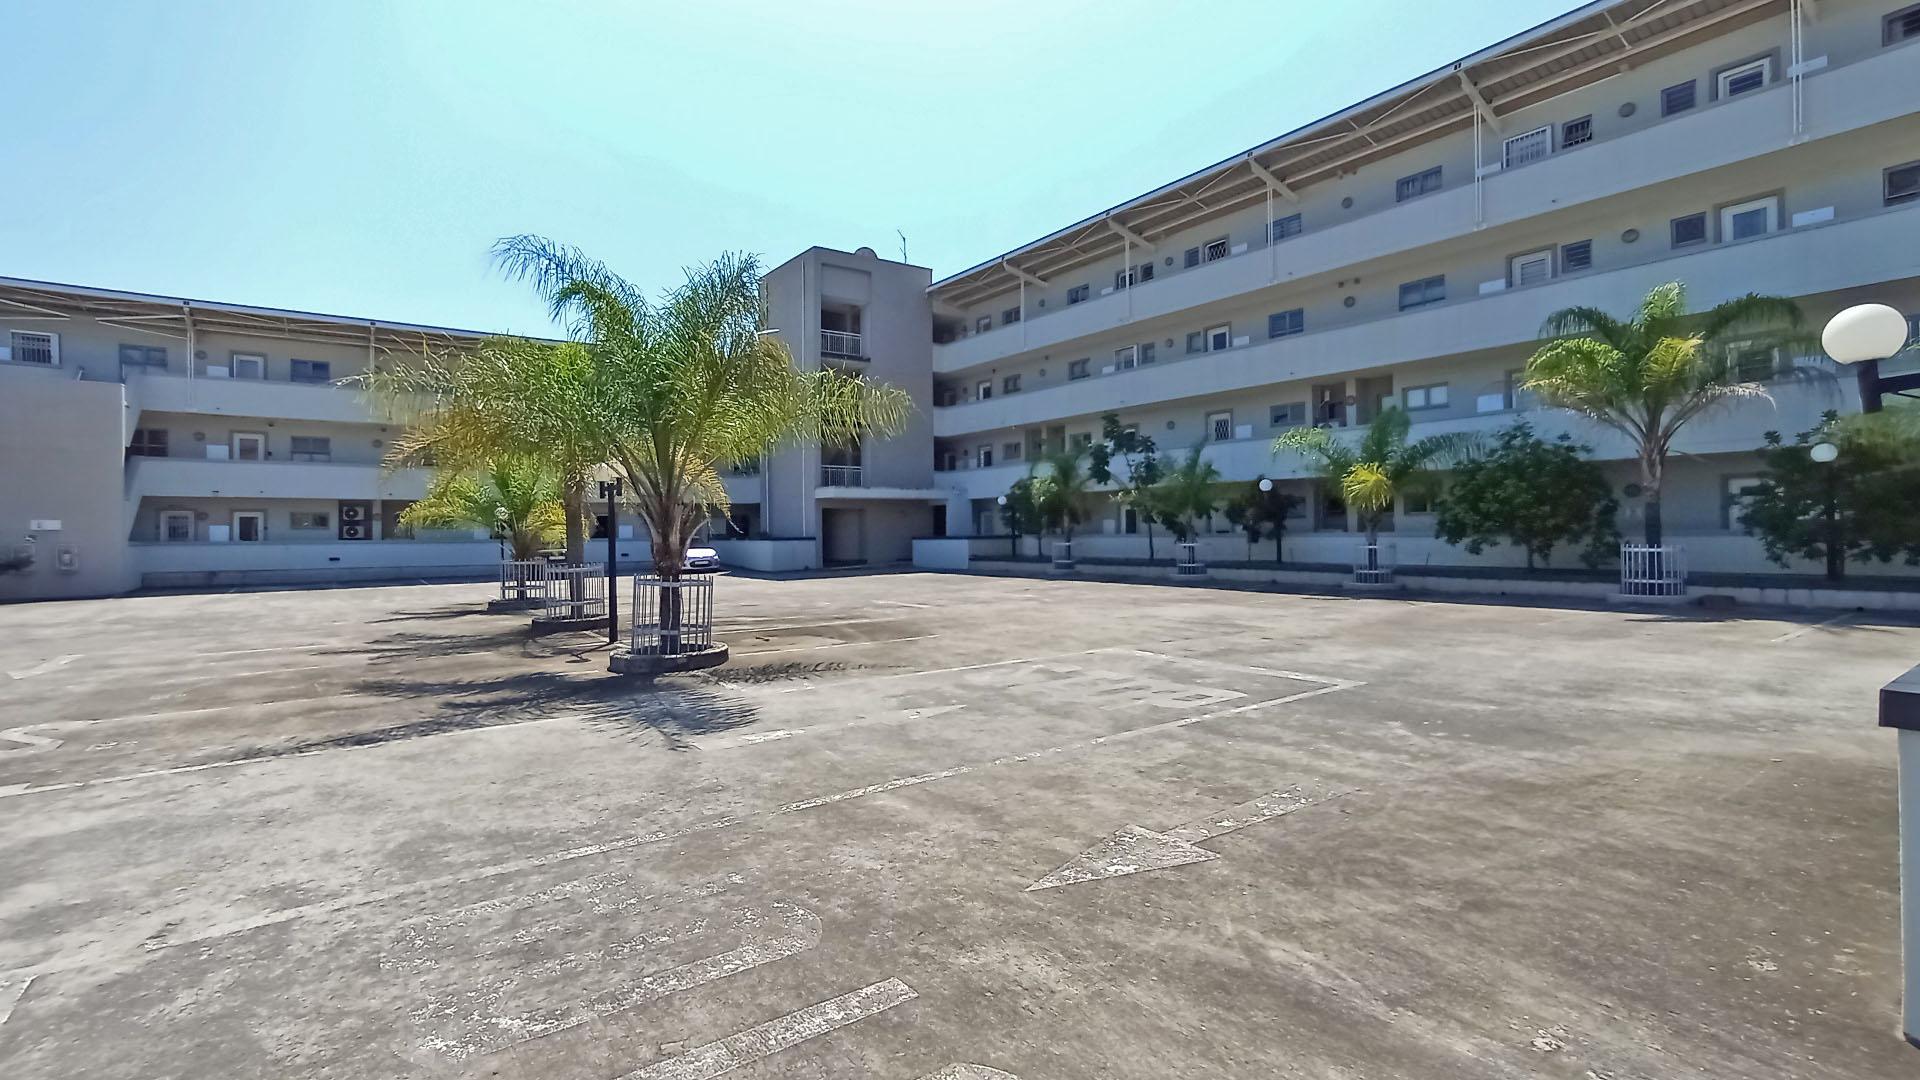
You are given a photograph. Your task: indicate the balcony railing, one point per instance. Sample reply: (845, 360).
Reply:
(839, 343)
(840, 476)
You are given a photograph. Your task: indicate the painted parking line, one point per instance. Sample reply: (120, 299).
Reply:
(24, 741)
(835, 645)
(45, 667)
(763, 1041)
(10, 994)
(1811, 627)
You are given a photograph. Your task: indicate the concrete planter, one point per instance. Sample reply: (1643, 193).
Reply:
(649, 665)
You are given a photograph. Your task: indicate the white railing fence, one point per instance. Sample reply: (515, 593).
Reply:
(1063, 554)
(839, 343)
(523, 579)
(1186, 562)
(1653, 570)
(1373, 564)
(671, 618)
(574, 592)
(840, 476)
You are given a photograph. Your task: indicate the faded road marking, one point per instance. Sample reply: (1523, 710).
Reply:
(1134, 850)
(43, 668)
(10, 995)
(963, 1071)
(836, 645)
(1811, 627)
(29, 743)
(728, 742)
(755, 1043)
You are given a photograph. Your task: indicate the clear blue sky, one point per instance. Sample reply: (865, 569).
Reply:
(358, 158)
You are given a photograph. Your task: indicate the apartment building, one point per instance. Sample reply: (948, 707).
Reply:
(1406, 250)
(160, 440)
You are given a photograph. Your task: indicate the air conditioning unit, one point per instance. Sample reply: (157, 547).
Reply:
(352, 512)
(353, 532)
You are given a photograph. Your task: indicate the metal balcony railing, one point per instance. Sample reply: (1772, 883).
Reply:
(840, 343)
(840, 476)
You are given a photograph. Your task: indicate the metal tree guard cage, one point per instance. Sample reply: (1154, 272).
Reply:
(671, 618)
(1373, 564)
(574, 592)
(1063, 554)
(1653, 570)
(523, 580)
(1187, 560)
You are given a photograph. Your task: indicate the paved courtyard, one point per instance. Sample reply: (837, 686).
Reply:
(929, 826)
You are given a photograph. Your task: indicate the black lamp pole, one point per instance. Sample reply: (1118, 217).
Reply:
(610, 490)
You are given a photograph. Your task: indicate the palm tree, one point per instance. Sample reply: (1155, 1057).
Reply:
(1370, 473)
(518, 494)
(1059, 486)
(1187, 492)
(1647, 375)
(693, 383)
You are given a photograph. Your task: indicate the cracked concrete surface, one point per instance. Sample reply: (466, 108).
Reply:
(374, 832)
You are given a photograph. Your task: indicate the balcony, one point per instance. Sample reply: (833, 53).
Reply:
(840, 345)
(172, 477)
(1837, 100)
(849, 476)
(1802, 261)
(252, 397)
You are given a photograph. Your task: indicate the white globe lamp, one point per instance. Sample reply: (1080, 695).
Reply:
(1864, 332)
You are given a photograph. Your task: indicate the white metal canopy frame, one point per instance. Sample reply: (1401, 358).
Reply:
(1582, 47)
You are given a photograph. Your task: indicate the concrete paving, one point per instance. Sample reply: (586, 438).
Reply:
(927, 826)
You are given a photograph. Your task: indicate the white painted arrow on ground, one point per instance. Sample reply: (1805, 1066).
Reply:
(1134, 850)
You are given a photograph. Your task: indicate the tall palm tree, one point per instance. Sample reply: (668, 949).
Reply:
(1371, 472)
(1059, 486)
(1647, 375)
(691, 384)
(517, 494)
(1187, 492)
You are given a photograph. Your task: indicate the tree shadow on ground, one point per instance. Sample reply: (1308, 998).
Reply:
(457, 611)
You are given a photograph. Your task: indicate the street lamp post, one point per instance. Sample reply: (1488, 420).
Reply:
(1825, 454)
(1013, 534)
(1279, 523)
(1866, 334)
(500, 516)
(610, 490)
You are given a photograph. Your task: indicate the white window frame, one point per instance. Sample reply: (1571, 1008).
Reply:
(1213, 426)
(1515, 275)
(983, 456)
(1216, 249)
(1769, 203)
(175, 515)
(260, 536)
(1079, 369)
(1543, 132)
(1423, 397)
(1720, 81)
(983, 391)
(1126, 357)
(295, 454)
(52, 341)
(234, 440)
(239, 361)
(1224, 333)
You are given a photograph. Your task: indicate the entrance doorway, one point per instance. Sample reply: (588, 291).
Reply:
(249, 526)
(842, 537)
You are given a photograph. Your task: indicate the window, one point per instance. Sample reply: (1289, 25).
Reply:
(1756, 217)
(1576, 256)
(1902, 25)
(1417, 501)
(30, 348)
(311, 448)
(1530, 269)
(1286, 323)
(1691, 229)
(1216, 249)
(1220, 426)
(1079, 441)
(1735, 497)
(143, 356)
(1420, 183)
(176, 526)
(1077, 369)
(1127, 279)
(1676, 99)
(1285, 227)
(1192, 257)
(983, 324)
(1902, 183)
(1010, 384)
(1126, 357)
(1526, 148)
(983, 391)
(148, 442)
(1146, 352)
(1431, 396)
(1010, 316)
(310, 519)
(1745, 78)
(311, 371)
(1425, 291)
(1576, 132)
(1010, 451)
(1751, 362)
(1196, 342)
(983, 457)
(1292, 414)
(1079, 293)
(1219, 338)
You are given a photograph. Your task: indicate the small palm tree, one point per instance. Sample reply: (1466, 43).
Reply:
(1059, 486)
(1370, 473)
(519, 495)
(1188, 492)
(1647, 375)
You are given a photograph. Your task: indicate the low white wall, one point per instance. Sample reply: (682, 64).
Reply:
(767, 556)
(192, 565)
(942, 553)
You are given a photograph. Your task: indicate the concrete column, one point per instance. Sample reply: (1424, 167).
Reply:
(1900, 710)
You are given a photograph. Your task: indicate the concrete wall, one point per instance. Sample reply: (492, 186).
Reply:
(769, 556)
(60, 454)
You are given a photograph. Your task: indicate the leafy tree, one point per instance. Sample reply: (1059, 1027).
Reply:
(1648, 375)
(1059, 486)
(1533, 494)
(1020, 513)
(1141, 456)
(517, 494)
(1372, 471)
(1260, 514)
(1863, 505)
(1186, 494)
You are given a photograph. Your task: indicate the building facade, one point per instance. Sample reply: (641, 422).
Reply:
(1403, 251)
